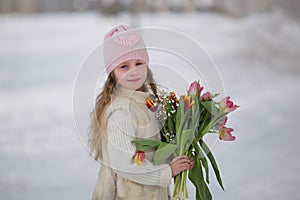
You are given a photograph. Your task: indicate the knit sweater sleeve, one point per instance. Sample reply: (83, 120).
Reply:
(121, 131)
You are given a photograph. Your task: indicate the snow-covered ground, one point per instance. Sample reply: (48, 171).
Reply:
(258, 58)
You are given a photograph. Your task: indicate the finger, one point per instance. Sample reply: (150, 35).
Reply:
(179, 158)
(174, 160)
(192, 160)
(184, 167)
(183, 157)
(183, 162)
(192, 166)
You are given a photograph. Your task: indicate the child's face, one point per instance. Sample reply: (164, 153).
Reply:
(131, 74)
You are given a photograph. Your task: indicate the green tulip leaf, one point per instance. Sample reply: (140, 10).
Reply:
(143, 148)
(170, 123)
(186, 140)
(210, 107)
(212, 161)
(164, 151)
(202, 158)
(196, 177)
(180, 115)
(152, 143)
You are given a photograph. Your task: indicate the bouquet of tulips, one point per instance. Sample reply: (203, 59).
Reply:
(184, 123)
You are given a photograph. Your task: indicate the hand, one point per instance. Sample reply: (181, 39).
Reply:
(180, 164)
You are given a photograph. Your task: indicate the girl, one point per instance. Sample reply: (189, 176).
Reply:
(120, 116)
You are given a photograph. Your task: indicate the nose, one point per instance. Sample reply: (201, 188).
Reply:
(133, 69)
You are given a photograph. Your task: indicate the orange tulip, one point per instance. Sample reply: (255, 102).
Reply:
(150, 104)
(187, 102)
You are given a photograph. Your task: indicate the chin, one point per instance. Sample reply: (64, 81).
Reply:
(136, 87)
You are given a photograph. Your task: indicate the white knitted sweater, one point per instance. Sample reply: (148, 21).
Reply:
(128, 118)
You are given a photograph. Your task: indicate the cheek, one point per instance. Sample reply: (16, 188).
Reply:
(143, 71)
(118, 75)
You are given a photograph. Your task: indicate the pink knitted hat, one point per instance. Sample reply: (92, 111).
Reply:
(122, 44)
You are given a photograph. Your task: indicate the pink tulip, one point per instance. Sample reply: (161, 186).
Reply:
(194, 88)
(226, 105)
(225, 134)
(206, 96)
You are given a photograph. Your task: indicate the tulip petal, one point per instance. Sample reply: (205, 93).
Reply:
(195, 88)
(139, 157)
(187, 103)
(226, 105)
(206, 96)
(150, 104)
(225, 134)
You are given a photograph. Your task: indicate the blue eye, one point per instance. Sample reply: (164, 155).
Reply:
(123, 66)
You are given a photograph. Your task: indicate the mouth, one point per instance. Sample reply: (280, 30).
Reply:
(134, 80)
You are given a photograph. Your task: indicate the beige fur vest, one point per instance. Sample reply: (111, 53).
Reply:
(110, 186)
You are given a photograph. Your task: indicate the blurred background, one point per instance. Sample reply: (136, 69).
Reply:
(255, 45)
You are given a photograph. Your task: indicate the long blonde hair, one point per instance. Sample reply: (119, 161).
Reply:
(97, 130)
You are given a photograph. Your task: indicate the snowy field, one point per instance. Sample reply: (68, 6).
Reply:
(258, 58)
